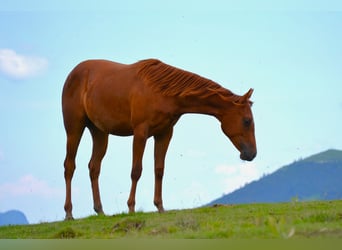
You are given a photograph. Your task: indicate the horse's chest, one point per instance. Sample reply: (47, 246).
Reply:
(161, 122)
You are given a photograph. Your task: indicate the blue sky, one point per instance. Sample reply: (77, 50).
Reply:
(290, 54)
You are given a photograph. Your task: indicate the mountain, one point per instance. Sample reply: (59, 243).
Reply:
(318, 177)
(13, 217)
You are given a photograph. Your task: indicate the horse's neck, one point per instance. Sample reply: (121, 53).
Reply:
(212, 105)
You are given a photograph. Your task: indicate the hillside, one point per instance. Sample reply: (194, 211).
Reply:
(317, 177)
(13, 217)
(298, 220)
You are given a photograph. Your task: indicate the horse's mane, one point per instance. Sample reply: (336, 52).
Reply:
(171, 81)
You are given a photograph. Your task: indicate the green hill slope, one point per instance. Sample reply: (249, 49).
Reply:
(246, 221)
(317, 177)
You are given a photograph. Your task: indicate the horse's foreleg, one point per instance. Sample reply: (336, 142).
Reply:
(100, 142)
(161, 143)
(139, 142)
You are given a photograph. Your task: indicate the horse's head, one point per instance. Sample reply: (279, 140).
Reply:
(238, 124)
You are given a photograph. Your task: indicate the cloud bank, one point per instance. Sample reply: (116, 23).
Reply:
(28, 185)
(18, 66)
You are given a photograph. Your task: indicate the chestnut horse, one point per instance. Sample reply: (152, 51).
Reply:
(143, 99)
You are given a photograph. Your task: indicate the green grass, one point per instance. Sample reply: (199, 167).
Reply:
(252, 221)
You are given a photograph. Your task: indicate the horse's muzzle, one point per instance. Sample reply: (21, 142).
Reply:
(248, 155)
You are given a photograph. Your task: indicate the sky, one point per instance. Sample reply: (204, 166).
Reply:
(291, 55)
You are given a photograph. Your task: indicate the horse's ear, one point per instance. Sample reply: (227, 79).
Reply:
(248, 95)
(245, 98)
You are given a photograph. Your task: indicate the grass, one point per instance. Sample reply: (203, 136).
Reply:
(295, 219)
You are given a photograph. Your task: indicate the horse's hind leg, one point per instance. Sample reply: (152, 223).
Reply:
(73, 139)
(100, 142)
(139, 142)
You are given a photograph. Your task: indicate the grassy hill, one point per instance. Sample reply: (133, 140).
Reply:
(317, 177)
(295, 219)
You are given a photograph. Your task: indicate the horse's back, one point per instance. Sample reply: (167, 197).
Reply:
(98, 72)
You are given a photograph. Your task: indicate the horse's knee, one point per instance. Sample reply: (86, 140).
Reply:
(94, 170)
(69, 168)
(136, 173)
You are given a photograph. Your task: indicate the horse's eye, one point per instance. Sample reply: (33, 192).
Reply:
(247, 122)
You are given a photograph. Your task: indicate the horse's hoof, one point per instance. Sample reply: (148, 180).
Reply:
(99, 211)
(68, 217)
(101, 214)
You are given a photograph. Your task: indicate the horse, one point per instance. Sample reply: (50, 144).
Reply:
(143, 99)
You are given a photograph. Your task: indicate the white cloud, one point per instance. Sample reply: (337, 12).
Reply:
(236, 176)
(19, 66)
(28, 185)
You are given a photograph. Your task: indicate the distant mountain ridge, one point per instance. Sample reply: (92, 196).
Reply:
(318, 177)
(326, 156)
(13, 217)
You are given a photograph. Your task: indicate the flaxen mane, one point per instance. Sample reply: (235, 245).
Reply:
(172, 81)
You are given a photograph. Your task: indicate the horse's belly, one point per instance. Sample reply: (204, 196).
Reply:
(121, 130)
(112, 118)
(112, 125)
